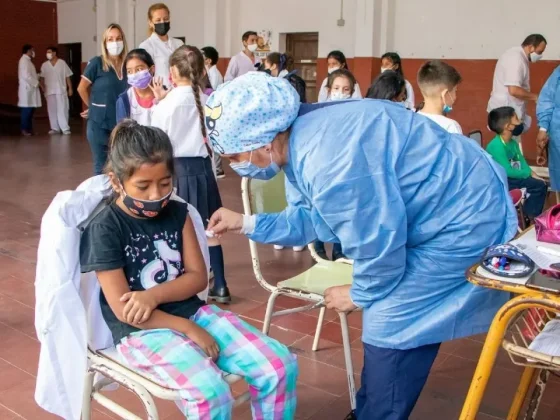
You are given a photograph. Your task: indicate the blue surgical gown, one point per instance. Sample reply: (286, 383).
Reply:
(411, 204)
(548, 115)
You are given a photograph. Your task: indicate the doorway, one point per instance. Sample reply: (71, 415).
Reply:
(304, 48)
(72, 54)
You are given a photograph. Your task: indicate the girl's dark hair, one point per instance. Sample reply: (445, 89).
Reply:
(131, 145)
(342, 73)
(212, 54)
(338, 56)
(140, 54)
(282, 61)
(388, 85)
(190, 64)
(396, 60)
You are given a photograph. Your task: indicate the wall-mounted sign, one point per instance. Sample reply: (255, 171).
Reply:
(264, 42)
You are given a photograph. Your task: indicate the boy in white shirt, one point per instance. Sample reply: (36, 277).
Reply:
(438, 83)
(245, 61)
(57, 85)
(211, 58)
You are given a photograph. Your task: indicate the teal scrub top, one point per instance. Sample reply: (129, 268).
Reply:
(105, 90)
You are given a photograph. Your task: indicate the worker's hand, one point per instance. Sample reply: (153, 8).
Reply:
(542, 138)
(338, 298)
(224, 220)
(84, 114)
(139, 306)
(204, 340)
(156, 86)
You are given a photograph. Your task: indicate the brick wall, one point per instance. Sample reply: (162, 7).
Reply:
(28, 22)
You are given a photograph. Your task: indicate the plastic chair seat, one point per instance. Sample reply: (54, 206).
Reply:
(319, 278)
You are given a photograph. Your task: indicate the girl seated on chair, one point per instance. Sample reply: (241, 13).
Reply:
(145, 252)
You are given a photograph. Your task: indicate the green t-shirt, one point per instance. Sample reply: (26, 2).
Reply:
(510, 157)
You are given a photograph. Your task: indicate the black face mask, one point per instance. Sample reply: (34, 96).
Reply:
(162, 28)
(518, 130)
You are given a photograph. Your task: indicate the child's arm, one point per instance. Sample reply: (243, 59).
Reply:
(140, 304)
(114, 285)
(498, 153)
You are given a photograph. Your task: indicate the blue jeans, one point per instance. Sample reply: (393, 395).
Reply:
(98, 138)
(27, 119)
(392, 381)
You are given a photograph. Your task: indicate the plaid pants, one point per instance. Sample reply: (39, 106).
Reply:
(173, 360)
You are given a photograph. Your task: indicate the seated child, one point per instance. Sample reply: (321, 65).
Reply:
(505, 150)
(438, 83)
(341, 85)
(145, 252)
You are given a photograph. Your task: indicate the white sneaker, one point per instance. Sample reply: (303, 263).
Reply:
(54, 132)
(67, 132)
(278, 247)
(298, 248)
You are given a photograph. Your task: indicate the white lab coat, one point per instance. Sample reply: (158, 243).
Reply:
(67, 312)
(28, 92)
(160, 52)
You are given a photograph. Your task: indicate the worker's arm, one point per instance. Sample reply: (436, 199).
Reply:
(546, 102)
(69, 86)
(522, 94)
(368, 216)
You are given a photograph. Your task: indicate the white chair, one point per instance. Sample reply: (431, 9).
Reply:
(269, 197)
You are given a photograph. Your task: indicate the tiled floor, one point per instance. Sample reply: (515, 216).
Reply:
(34, 169)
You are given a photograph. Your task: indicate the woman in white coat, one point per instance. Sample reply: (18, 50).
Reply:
(29, 96)
(160, 45)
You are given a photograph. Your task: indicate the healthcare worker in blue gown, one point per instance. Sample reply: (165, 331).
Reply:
(411, 204)
(548, 116)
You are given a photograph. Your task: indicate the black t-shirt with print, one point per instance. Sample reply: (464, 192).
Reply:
(150, 251)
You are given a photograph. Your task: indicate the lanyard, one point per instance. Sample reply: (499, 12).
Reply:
(510, 156)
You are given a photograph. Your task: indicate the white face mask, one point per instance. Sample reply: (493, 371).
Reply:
(330, 70)
(338, 95)
(115, 48)
(384, 69)
(49, 56)
(252, 47)
(534, 57)
(32, 54)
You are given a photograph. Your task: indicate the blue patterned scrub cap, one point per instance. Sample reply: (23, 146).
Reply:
(248, 112)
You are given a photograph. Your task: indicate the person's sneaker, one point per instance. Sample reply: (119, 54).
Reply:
(298, 248)
(322, 254)
(278, 247)
(339, 257)
(54, 132)
(26, 133)
(351, 416)
(220, 174)
(220, 295)
(67, 132)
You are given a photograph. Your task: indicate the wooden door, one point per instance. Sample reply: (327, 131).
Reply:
(304, 48)
(72, 54)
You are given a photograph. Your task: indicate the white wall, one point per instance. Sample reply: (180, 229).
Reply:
(473, 29)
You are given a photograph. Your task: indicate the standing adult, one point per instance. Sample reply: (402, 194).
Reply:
(245, 61)
(397, 193)
(511, 85)
(548, 117)
(104, 79)
(29, 96)
(160, 45)
(57, 86)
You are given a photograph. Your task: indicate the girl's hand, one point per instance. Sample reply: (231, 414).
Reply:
(158, 89)
(204, 340)
(224, 220)
(139, 306)
(84, 114)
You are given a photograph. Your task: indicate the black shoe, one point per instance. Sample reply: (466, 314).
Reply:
(220, 174)
(351, 416)
(220, 295)
(338, 255)
(322, 254)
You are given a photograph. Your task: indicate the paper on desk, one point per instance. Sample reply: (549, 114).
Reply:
(487, 274)
(528, 244)
(548, 340)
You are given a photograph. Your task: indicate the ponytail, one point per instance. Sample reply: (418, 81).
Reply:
(189, 62)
